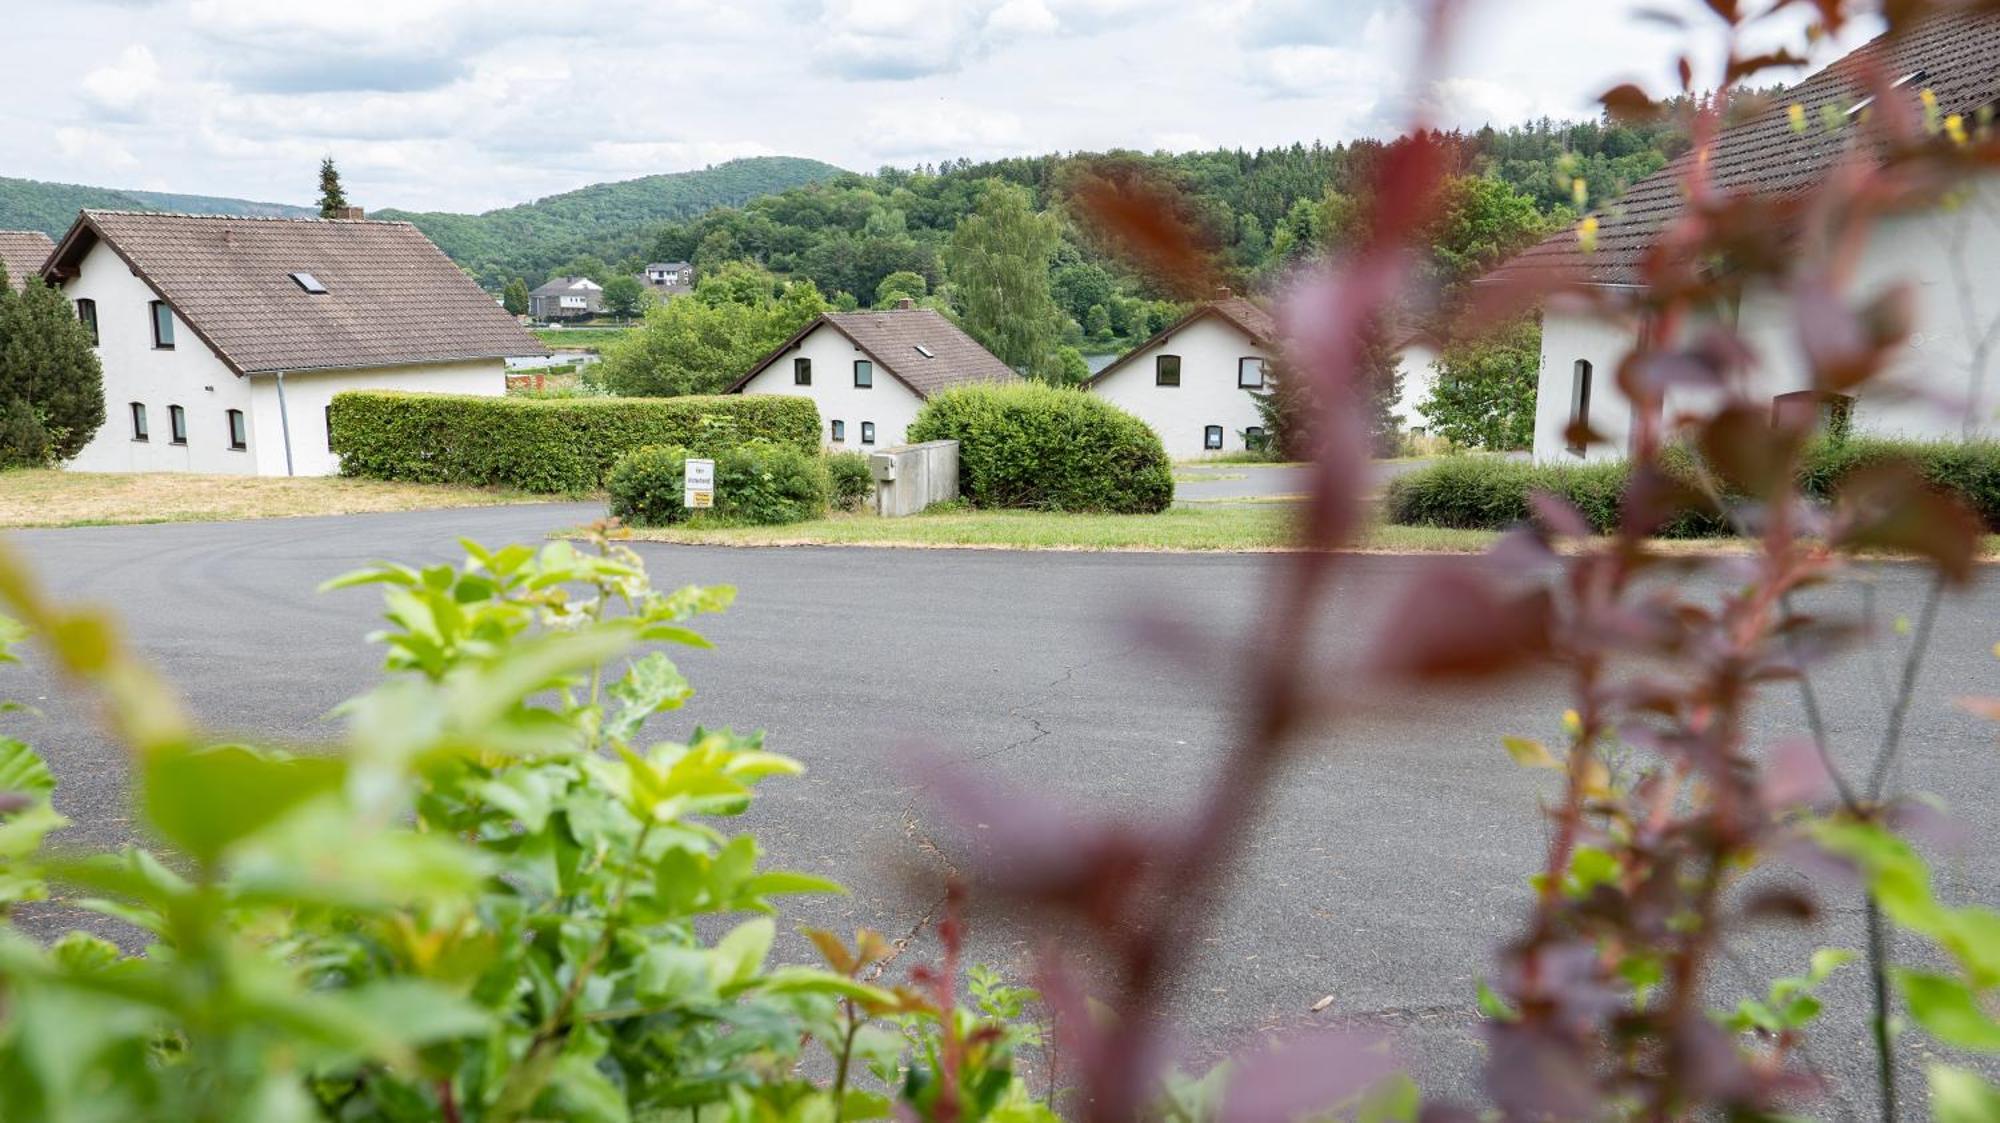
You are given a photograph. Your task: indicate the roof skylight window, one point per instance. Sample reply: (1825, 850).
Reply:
(925, 351)
(308, 282)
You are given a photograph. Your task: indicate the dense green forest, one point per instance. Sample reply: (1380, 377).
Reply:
(27, 204)
(1261, 212)
(608, 220)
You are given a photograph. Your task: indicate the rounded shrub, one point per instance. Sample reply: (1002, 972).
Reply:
(850, 478)
(756, 483)
(1039, 447)
(646, 486)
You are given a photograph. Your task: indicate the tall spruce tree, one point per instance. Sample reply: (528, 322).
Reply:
(51, 386)
(332, 199)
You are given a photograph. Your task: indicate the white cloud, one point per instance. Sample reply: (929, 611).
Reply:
(941, 129)
(1023, 17)
(122, 87)
(94, 149)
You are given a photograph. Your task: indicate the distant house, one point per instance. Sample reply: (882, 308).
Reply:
(671, 278)
(22, 252)
(1193, 381)
(566, 298)
(869, 372)
(224, 339)
(1417, 363)
(1946, 66)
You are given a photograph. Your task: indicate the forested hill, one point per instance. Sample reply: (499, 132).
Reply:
(606, 220)
(1262, 211)
(27, 204)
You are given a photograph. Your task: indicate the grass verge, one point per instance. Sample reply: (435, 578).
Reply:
(580, 339)
(42, 498)
(1181, 529)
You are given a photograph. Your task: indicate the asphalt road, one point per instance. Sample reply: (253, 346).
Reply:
(1393, 860)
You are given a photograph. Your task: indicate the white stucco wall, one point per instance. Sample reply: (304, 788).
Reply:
(308, 393)
(190, 376)
(1950, 255)
(1208, 393)
(1417, 366)
(889, 404)
(194, 378)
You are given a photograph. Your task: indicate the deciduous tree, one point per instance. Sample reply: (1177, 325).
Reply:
(999, 267)
(699, 345)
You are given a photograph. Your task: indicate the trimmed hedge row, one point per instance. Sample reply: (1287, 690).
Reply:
(1047, 449)
(757, 482)
(565, 445)
(1480, 493)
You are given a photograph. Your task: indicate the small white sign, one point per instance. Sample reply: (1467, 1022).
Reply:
(698, 484)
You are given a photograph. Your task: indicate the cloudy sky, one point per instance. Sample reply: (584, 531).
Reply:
(471, 104)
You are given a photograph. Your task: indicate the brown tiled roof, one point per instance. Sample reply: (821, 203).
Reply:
(896, 340)
(22, 252)
(1242, 313)
(1958, 55)
(392, 299)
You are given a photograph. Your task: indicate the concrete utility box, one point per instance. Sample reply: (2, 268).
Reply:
(909, 478)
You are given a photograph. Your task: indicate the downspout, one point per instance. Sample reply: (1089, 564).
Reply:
(285, 423)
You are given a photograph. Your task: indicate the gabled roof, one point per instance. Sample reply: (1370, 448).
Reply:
(562, 285)
(1236, 311)
(1957, 57)
(916, 346)
(22, 252)
(392, 298)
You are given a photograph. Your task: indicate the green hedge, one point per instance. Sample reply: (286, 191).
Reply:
(564, 445)
(1483, 493)
(1039, 447)
(853, 481)
(757, 482)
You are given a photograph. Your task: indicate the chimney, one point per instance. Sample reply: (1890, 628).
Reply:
(906, 303)
(1222, 292)
(355, 214)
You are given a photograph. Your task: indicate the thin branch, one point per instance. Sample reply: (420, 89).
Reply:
(1892, 740)
(1815, 717)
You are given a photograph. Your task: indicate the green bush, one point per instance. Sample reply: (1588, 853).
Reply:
(756, 483)
(1039, 447)
(852, 481)
(564, 445)
(1481, 493)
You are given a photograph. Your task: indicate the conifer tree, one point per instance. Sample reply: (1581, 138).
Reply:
(332, 199)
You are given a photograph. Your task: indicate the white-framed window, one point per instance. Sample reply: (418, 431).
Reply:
(802, 371)
(239, 436)
(864, 374)
(163, 326)
(1579, 405)
(177, 424)
(1211, 437)
(1167, 370)
(868, 432)
(1250, 372)
(139, 430)
(840, 430)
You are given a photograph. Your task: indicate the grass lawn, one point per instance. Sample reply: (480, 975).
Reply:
(580, 339)
(1203, 528)
(50, 498)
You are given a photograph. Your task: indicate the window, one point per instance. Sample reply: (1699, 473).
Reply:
(1211, 437)
(239, 439)
(86, 313)
(802, 371)
(177, 424)
(1579, 406)
(1167, 370)
(924, 351)
(1250, 373)
(139, 432)
(309, 283)
(840, 430)
(868, 432)
(163, 326)
(864, 373)
(1253, 438)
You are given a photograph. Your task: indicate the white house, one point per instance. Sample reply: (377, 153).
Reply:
(1950, 254)
(1193, 381)
(224, 340)
(566, 298)
(1417, 364)
(870, 372)
(22, 253)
